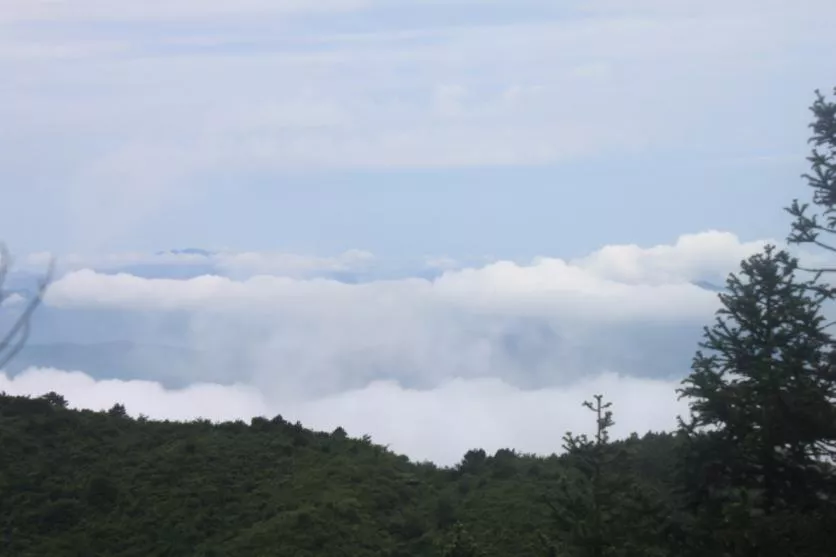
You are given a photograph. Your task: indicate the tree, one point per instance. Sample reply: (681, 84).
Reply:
(762, 417)
(55, 399)
(118, 411)
(813, 225)
(473, 461)
(601, 510)
(581, 514)
(460, 544)
(15, 338)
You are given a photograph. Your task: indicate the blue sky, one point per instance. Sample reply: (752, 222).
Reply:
(403, 128)
(465, 216)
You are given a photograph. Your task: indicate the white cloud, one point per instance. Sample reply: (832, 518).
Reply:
(615, 284)
(706, 256)
(75, 261)
(495, 356)
(224, 262)
(29, 51)
(160, 10)
(215, 402)
(539, 324)
(521, 93)
(439, 424)
(443, 423)
(166, 111)
(286, 264)
(442, 262)
(13, 299)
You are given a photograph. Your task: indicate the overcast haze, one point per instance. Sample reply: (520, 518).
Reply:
(445, 224)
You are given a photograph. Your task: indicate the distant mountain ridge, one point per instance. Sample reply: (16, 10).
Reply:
(188, 251)
(706, 285)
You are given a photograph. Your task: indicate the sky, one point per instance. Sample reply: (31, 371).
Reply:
(425, 216)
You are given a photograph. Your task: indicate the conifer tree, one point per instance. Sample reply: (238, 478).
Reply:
(816, 224)
(762, 421)
(601, 510)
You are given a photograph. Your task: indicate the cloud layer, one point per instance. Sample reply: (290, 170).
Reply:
(495, 355)
(438, 425)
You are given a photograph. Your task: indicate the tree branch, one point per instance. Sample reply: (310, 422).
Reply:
(13, 341)
(824, 246)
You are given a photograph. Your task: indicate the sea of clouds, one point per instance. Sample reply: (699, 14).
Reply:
(493, 355)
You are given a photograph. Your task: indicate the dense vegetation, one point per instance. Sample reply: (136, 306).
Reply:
(749, 472)
(102, 483)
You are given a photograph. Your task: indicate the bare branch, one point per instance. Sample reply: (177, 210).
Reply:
(824, 246)
(13, 341)
(819, 270)
(820, 228)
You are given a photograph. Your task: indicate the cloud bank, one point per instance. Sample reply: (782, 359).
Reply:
(438, 425)
(495, 355)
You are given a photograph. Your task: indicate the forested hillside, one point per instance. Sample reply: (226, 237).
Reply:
(749, 472)
(87, 483)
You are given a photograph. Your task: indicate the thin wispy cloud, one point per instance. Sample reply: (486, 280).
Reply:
(152, 125)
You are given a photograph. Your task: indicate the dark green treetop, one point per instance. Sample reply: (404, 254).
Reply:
(600, 509)
(815, 221)
(460, 544)
(762, 417)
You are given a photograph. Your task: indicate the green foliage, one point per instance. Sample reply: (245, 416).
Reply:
(461, 544)
(812, 223)
(601, 508)
(763, 423)
(101, 483)
(118, 411)
(55, 399)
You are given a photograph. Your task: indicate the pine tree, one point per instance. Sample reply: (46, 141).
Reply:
(118, 411)
(814, 224)
(763, 421)
(601, 510)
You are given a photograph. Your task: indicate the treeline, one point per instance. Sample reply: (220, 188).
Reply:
(748, 472)
(84, 483)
